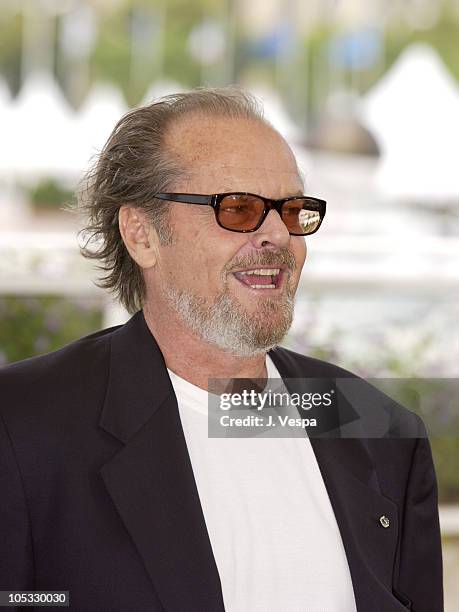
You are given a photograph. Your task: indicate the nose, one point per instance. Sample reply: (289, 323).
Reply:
(272, 232)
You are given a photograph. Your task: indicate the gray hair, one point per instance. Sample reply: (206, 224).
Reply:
(133, 166)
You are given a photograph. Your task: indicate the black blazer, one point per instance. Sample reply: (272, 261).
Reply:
(98, 495)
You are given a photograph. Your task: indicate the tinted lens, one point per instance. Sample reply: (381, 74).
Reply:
(301, 216)
(240, 212)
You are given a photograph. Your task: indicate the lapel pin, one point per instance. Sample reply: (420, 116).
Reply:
(384, 521)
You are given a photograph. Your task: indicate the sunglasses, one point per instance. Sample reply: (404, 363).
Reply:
(245, 212)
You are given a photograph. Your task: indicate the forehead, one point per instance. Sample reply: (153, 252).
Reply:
(239, 152)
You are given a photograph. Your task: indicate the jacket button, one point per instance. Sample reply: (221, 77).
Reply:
(384, 521)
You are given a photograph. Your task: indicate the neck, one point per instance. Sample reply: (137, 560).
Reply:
(194, 359)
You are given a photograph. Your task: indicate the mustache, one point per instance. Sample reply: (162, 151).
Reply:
(283, 257)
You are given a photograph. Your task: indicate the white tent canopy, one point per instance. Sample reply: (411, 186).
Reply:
(43, 136)
(101, 110)
(414, 114)
(36, 129)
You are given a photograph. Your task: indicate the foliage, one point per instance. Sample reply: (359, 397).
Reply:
(10, 50)
(443, 38)
(112, 57)
(49, 193)
(33, 325)
(445, 451)
(110, 60)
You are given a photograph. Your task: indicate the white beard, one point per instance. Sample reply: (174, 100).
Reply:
(228, 326)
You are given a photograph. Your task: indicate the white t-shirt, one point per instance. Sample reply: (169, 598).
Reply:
(273, 532)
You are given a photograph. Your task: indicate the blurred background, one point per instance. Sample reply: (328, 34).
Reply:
(366, 93)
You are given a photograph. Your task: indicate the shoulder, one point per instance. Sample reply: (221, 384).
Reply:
(380, 414)
(35, 367)
(47, 380)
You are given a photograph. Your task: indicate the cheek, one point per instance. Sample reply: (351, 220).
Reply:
(186, 256)
(218, 253)
(299, 250)
(197, 259)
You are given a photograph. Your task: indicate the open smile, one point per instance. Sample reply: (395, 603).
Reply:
(262, 279)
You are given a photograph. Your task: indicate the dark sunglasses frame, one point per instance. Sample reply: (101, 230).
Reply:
(214, 200)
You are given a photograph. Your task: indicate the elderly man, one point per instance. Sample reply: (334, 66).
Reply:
(111, 487)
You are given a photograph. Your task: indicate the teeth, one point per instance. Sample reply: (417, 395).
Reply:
(263, 286)
(262, 272)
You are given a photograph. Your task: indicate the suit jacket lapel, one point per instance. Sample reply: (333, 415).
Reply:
(150, 479)
(358, 506)
(352, 484)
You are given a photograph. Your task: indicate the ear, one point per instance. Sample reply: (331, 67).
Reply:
(138, 235)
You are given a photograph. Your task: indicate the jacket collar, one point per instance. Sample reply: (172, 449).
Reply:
(138, 373)
(137, 378)
(150, 479)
